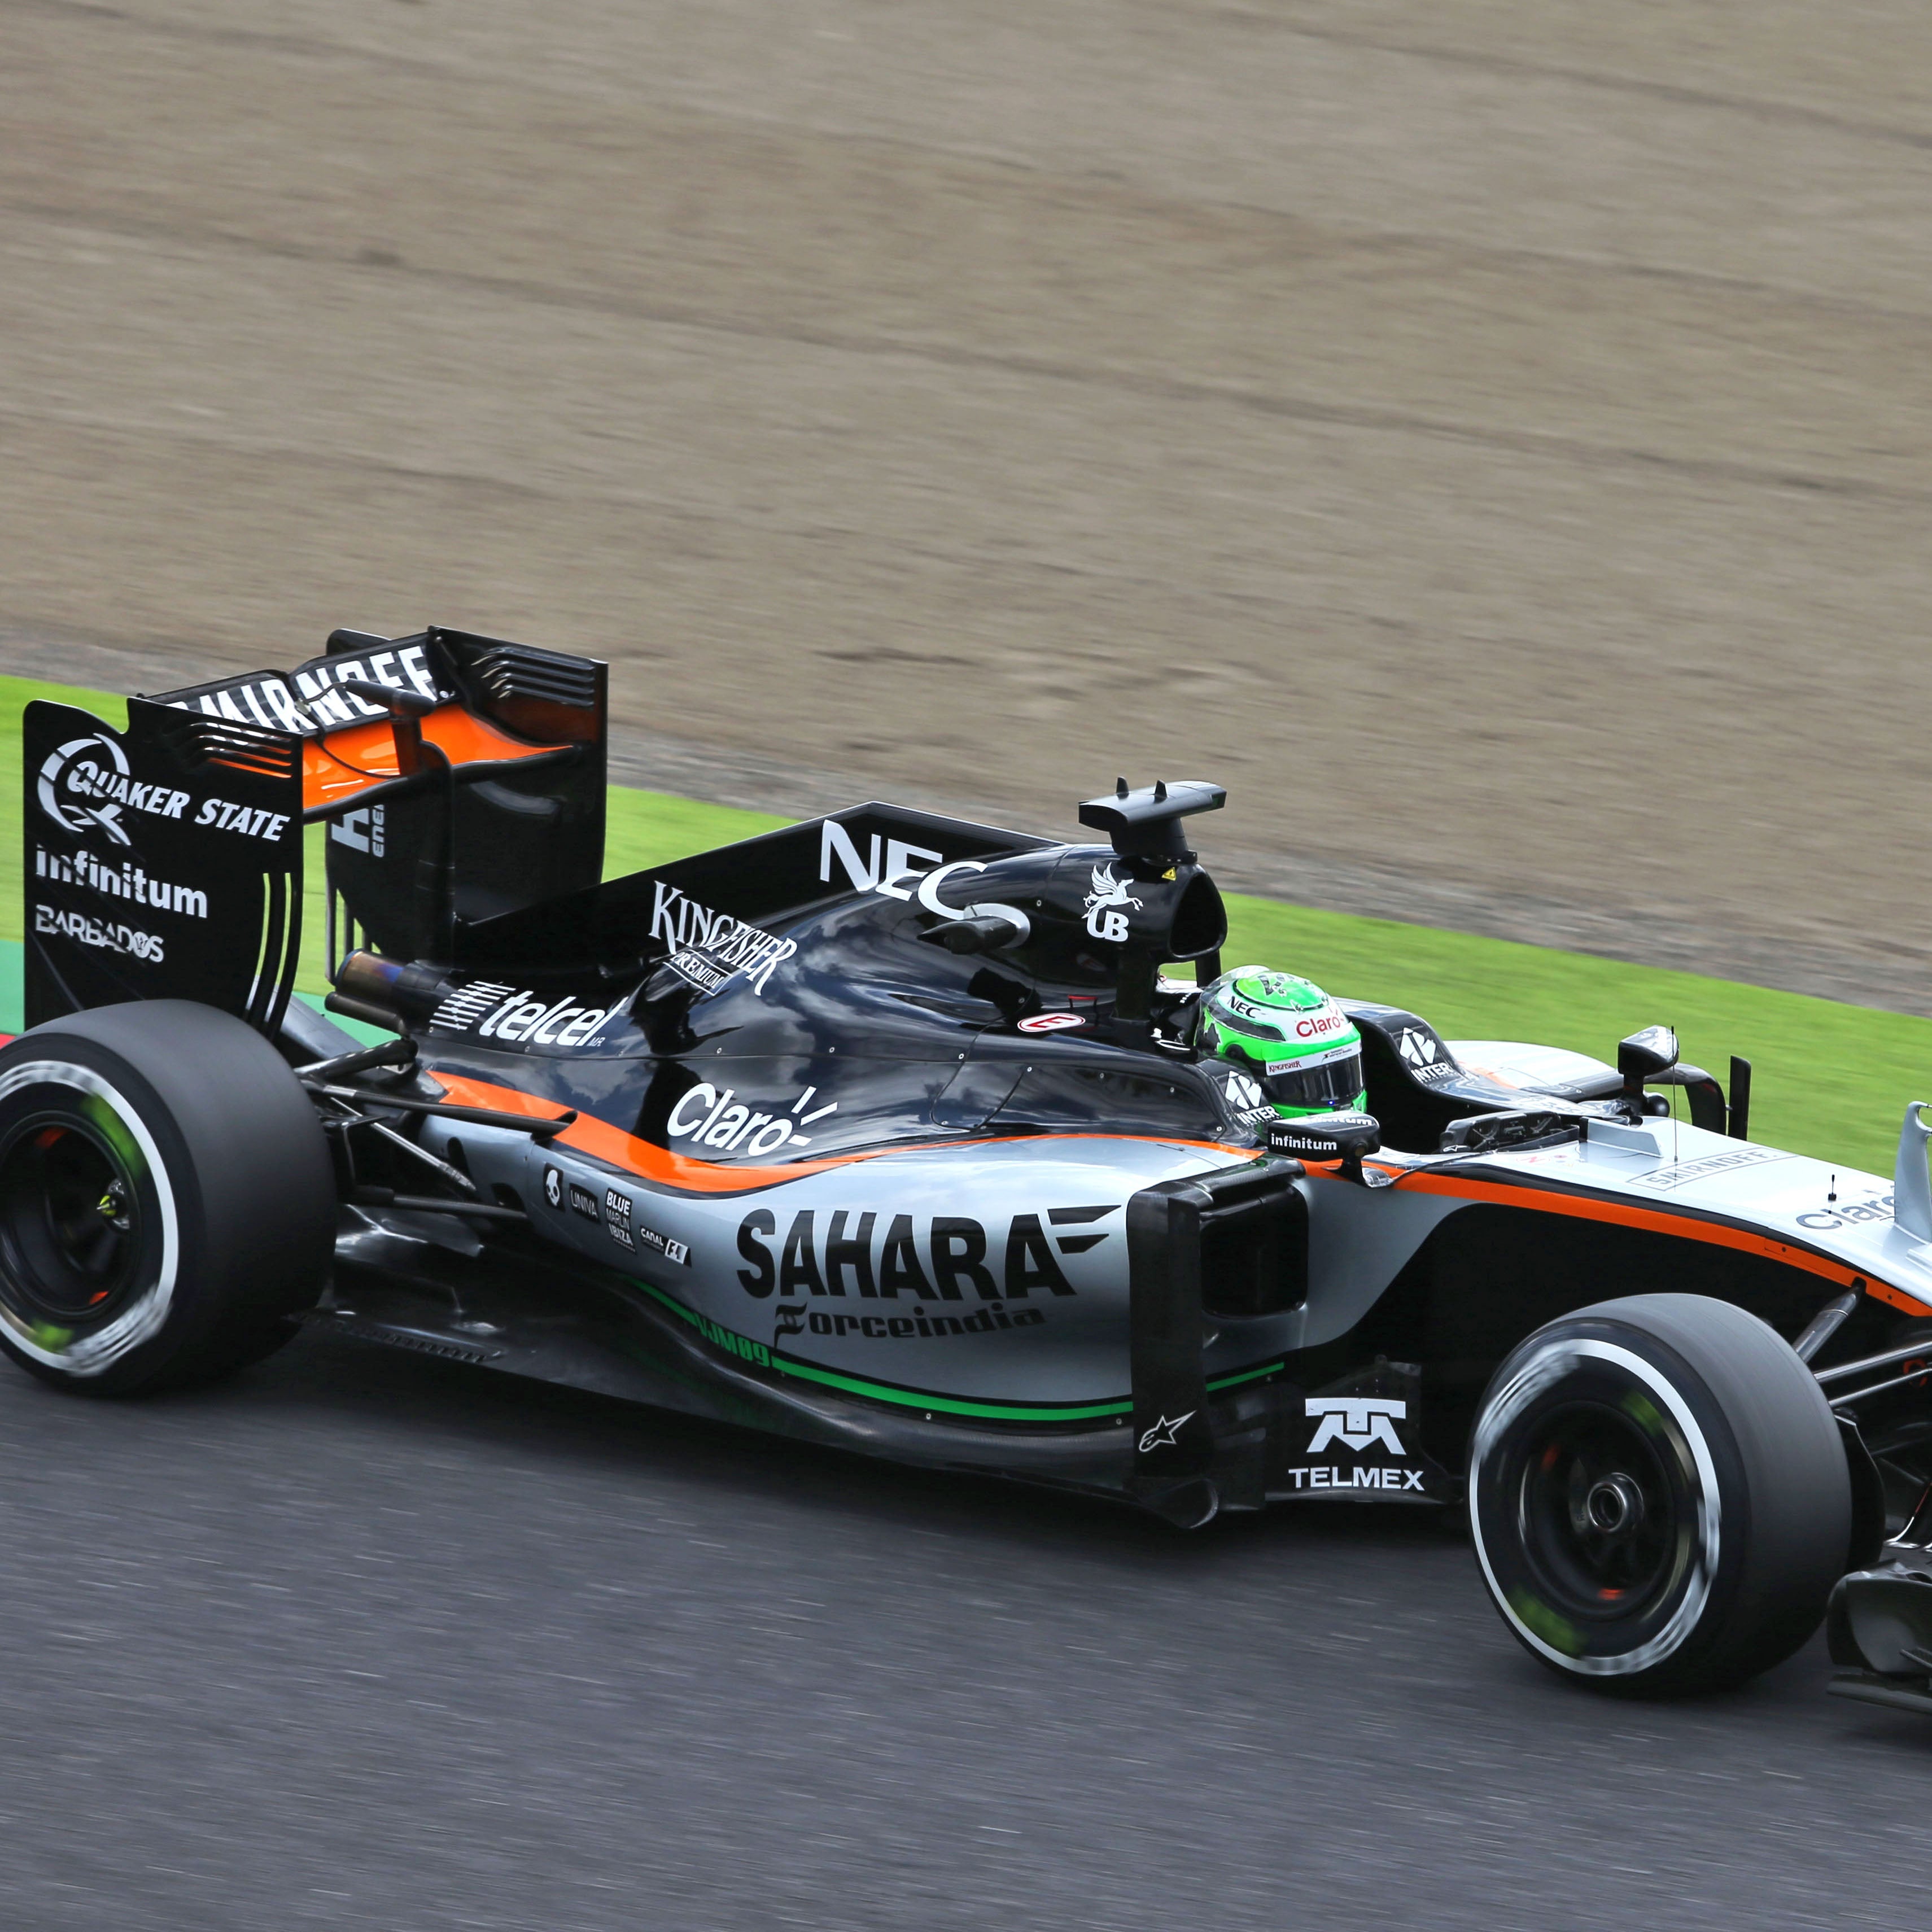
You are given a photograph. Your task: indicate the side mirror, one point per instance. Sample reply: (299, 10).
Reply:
(1344, 1137)
(1645, 1056)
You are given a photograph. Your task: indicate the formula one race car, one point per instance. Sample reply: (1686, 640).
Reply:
(890, 1132)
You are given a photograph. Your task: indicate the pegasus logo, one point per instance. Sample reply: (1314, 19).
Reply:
(1358, 1421)
(1161, 1435)
(1104, 918)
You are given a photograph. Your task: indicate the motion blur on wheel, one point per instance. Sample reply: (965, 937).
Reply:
(937, 1141)
(166, 1206)
(1659, 1496)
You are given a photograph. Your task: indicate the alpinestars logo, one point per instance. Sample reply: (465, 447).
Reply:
(1358, 1421)
(1161, 1435)
(1106, 918)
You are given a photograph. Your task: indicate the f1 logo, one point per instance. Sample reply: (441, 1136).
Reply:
(1357, 1421)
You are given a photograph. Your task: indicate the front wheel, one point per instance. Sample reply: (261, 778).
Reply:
(167, 1203)
(1659, 1496)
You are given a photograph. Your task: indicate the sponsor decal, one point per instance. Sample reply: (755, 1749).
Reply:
(101, 934)
(1161, 1435)
(617, 1217)
(553, 1187)
(893, 868)
(708, 947)
(721, 1337)
(584, 1202)
(1244, 1092)
(1377, 1476)
(1422, 1053)
(1687, 1171)
(794, 1318)
(1358, 1421)
(1317, 1138)
(629, 1234)
(465, 1007)
(709, 1118)
(939, 1258)
(1848, 1214)
(1326, 1018)
(889, 868)
(700, 970)
(1238, 1002)
(308, 702)
(362, 830)
(1050, 1022)
(516, 1017)
(127, 880)
(85, 786)
(1105, 906)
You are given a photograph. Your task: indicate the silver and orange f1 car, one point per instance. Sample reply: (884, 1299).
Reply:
(890, 1131)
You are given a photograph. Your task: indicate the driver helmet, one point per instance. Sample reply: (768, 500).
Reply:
(1295, 1050)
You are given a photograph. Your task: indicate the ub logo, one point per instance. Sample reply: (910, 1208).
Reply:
(1106, 918)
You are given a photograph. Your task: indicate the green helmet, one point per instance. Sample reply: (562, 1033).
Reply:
(1295, 1050)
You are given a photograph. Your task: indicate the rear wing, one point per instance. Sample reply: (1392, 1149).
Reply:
(462, 778)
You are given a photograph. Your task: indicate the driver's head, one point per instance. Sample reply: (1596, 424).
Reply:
(1298, 1046)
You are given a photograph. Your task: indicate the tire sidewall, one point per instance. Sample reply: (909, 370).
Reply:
(65, 1075)
(241, 1176)
(1766, 1491)
(1687, 1430)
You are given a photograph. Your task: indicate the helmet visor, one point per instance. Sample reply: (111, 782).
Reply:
(1319, 1084)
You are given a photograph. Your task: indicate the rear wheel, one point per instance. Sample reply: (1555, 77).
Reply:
(1659, 1496)
(167, 1204)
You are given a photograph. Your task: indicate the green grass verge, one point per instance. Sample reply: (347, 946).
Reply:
(1830, 1080)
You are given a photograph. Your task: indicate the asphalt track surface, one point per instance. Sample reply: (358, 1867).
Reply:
(364, 1639)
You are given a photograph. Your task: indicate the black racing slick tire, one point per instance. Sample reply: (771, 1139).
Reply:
(1659, 1496)
(167, 1202)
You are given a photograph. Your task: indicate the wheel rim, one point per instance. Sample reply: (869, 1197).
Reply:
(71, 1224)
(1597, 1516)
(85, 1337)
(1595, 1507)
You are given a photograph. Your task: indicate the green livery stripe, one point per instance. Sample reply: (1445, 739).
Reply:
(743, 1347)
(1217, 1383)
(995, 1411)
